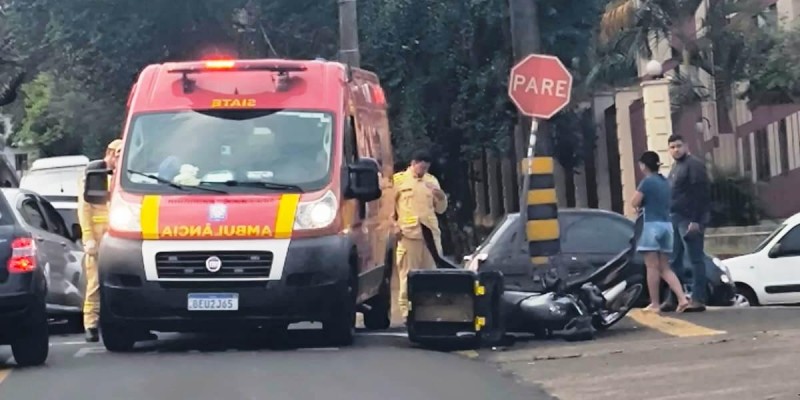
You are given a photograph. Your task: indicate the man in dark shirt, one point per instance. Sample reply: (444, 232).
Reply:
(690, 210)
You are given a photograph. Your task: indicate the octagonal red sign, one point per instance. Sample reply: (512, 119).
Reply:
(540, 86)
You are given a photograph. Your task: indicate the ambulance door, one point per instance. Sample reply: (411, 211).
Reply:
(353, 209)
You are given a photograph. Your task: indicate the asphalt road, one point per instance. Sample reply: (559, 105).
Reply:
(200, 367)
(727, 353)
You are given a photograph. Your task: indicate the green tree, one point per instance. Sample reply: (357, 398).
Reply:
(62, 118)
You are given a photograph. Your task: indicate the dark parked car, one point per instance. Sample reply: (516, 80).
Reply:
(589, 239)
(57, 247)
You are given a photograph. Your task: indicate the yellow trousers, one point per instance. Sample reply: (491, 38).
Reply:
(91, 302)
(411, 254)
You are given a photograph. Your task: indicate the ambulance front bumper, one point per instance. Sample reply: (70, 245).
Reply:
(136, 290)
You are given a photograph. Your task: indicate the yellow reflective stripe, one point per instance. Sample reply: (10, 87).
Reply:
(542, 196)
(480, 322)
(540, 260)
(100, 218)
(149, 216)
(284, 221)
(410, 220)
(540, 165)
(540, 230)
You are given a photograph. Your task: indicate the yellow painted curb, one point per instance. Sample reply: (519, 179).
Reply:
(671, 326)
(472, 354)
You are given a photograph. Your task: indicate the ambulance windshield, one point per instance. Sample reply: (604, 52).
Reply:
(239, 148)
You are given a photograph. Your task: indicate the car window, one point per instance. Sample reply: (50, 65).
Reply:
(596, 234)
(769, 238)
(31, 213)
(790, 242)
(498, 233)
(56, 223)
(6, 214)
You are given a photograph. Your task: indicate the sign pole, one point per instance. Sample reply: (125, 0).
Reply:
(528, 163)
(540, 86)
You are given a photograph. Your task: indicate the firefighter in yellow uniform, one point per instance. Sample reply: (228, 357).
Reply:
(94, 223)
(418, 199)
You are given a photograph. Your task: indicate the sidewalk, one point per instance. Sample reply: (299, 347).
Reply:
(749, 361)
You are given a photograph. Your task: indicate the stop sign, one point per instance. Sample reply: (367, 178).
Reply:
(540, 86)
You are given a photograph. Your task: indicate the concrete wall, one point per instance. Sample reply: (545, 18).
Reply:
(734, 241)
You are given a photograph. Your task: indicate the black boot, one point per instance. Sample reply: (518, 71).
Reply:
(92, 336)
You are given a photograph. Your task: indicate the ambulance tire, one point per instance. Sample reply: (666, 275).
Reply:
(340, 328)
(379, 317)
(116, 339)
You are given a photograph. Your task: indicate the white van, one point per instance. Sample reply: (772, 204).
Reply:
(56, 179)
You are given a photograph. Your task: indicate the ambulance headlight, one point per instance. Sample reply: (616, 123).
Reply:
(124, 216)
(316, 214)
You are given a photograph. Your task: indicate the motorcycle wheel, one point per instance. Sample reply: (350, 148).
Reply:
(622, 305)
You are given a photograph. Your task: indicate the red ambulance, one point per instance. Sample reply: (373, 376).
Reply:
(249, 194)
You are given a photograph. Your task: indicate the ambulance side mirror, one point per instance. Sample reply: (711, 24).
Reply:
(363, 182)
(95, 191)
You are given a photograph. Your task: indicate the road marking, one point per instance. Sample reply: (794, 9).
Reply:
(671, 326)
(88, 350)
(4, 374)
(66, 343)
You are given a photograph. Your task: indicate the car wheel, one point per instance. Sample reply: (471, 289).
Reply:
(340, 329)
(32, 346)
(379, 316)
(116, 339)
(744, 297)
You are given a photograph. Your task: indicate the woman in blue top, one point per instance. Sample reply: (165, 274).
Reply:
(653, 198)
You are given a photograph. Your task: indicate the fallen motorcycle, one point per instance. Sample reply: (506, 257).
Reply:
(575, 309)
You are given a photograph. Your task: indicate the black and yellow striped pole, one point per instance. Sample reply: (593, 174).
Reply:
(540, 86)
(539, 203)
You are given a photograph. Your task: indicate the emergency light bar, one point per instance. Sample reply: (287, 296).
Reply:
(282, 69)
(238, 66)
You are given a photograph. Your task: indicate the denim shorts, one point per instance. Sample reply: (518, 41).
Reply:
(656, 236)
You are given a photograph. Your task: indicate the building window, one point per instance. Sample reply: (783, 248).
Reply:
(747, 158)
(21, 162)
(762, 155)
(783, 146)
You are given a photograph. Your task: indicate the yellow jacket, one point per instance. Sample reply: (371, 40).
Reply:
(415, 203)
(92, 217)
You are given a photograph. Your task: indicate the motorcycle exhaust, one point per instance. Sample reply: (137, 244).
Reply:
(611, 294)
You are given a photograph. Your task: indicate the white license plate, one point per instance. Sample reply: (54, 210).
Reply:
(213, 302)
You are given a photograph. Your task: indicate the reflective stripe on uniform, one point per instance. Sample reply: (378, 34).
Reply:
(100, 219)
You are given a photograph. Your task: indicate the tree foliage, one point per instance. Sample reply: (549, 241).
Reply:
(444, 65)
(774, 73)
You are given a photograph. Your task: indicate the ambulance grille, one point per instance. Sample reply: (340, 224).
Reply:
(235, 264)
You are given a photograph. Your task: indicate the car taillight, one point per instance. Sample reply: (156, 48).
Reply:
(23, 256)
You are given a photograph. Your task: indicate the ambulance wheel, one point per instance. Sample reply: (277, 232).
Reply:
(340, 328)
(379, 317)
(117, 339)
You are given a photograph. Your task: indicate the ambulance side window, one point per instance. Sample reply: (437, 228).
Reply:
(350, 150)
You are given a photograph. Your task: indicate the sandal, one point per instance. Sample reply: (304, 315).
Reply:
(652, 309)
(682, 307)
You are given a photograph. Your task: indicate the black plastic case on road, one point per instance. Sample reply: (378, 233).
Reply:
(449, 306)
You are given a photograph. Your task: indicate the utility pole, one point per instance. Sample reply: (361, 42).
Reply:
(538, 213)
(348, 33)
(525, 39)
